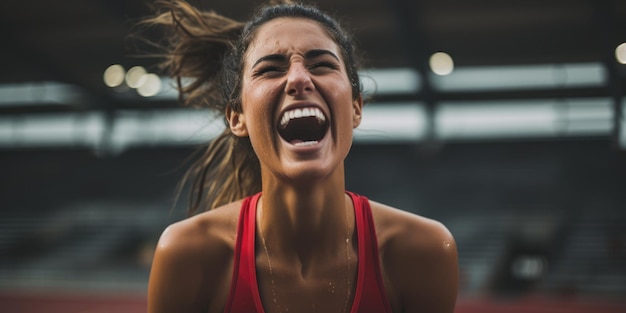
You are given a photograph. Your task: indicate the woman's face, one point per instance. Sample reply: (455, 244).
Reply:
(297, 102)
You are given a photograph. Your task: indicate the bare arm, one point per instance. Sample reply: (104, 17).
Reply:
(436, 273)
(174, 278)
(187, 273)
(421, 263)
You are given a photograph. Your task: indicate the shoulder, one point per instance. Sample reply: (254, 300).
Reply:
(419, 260)
(211, 229)
(395, 226)
(191, 261)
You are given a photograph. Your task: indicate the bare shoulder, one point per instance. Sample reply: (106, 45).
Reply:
(193, 261)
(420, 232)
(419, 260)
(210, 229)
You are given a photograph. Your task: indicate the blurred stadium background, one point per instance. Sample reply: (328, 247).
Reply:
(502, 119)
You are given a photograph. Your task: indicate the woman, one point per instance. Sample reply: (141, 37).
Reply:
(279, 233)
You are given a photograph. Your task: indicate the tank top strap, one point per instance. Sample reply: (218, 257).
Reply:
(370, 295)
(244, 294)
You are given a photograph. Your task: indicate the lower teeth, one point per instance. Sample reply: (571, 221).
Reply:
(305, 143)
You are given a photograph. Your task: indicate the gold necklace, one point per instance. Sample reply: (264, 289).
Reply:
(269, 263)
(275, 298)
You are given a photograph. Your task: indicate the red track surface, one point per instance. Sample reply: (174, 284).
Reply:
(22, 302)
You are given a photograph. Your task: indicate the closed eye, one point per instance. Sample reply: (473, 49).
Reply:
(324, 64)
(268, 70)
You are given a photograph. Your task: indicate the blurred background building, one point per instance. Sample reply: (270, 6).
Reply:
(502, 119)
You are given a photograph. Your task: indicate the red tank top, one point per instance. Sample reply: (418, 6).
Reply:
(369, 297)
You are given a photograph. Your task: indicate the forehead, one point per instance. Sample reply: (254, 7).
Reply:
(289, 35)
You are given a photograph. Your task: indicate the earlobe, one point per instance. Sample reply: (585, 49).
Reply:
(237, 123)
(357, 114)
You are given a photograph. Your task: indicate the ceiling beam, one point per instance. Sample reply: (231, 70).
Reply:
(417, 51)
(606, 23)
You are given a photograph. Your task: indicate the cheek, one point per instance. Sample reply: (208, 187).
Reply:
(343, 95)
(260, 94)
(257, 107)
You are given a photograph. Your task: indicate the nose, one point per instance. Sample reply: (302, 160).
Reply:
(298, 80)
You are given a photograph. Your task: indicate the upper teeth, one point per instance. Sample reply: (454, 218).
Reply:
(301, 112)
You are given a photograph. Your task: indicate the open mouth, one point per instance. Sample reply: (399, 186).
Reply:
(303, 126)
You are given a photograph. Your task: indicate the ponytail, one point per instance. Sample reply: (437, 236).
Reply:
(194, 51)
(195, 45)
(228, 170)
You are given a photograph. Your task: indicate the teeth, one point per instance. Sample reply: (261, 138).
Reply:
(299, 113)
(305, 143)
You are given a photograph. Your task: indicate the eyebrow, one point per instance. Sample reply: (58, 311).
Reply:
(319, 52)
(311, 54)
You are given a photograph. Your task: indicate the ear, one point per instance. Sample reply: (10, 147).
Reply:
(237, 123)
(357, 114)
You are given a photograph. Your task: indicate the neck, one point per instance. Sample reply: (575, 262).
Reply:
(305, 221)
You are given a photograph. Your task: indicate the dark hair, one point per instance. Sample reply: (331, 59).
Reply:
(209, 49)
